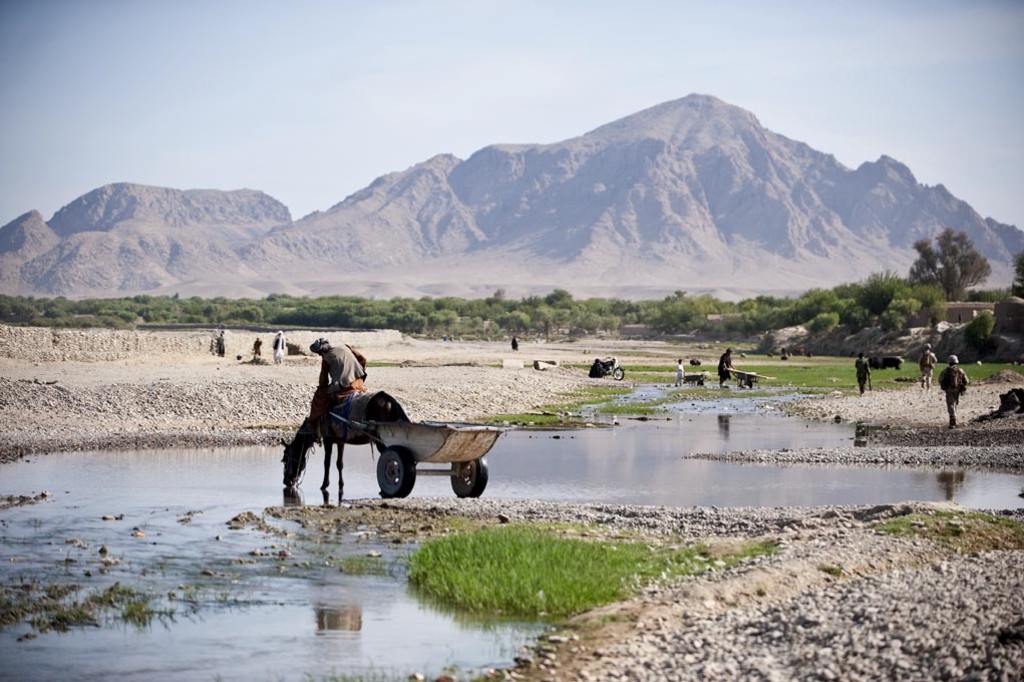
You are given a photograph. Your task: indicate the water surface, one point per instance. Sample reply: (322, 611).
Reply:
(255, 622)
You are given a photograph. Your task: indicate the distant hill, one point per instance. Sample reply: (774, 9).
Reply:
(692, 194)
(124, 239)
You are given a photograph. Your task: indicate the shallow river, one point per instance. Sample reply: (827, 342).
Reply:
(236, 617)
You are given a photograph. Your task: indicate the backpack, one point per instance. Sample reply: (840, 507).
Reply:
(950, 379)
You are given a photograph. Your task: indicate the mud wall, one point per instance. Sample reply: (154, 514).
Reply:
(40, 344)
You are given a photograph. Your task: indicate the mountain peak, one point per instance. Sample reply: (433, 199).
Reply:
(109, 206)
(696, 117)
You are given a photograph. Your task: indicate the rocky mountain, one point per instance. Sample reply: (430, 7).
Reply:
(692, 194)
(124, 238)
(21, 240)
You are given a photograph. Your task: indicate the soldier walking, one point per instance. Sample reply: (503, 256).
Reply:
(954, 382)
(927, 365)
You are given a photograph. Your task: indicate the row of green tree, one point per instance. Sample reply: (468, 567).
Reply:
(884, 299)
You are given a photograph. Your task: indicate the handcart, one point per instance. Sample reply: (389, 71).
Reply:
(405, 446)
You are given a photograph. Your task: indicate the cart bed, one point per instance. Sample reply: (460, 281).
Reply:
(438, 442)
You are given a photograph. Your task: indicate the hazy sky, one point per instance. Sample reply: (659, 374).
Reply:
(310, 101)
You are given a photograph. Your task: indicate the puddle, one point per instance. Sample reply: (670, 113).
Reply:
(255, 622)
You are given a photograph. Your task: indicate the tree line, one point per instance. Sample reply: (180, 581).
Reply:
(941, 273)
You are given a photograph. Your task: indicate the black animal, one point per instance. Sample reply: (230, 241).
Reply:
(378, 406)
(887, 362)
(695, 362)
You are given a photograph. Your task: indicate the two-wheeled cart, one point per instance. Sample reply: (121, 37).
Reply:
(406, 446)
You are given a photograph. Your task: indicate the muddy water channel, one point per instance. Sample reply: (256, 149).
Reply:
(259, 605)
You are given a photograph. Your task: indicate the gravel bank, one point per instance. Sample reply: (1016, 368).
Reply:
(838, 601)
(1007, 458)
(53, 407)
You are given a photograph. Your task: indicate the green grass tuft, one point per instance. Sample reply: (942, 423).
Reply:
(363, 565)
(525, 571)
(963, 532)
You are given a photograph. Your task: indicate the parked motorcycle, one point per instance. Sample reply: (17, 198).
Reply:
(602, 368)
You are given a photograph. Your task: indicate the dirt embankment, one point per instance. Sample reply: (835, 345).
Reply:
(156, 389)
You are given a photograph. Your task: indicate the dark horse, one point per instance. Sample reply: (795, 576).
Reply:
(361, 407)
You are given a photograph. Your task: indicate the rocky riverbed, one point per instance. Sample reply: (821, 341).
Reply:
(840, 600)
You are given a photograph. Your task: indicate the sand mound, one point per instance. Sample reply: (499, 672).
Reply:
(1007, 376)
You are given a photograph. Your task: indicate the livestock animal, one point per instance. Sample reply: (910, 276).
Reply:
(887, 362)
(373, 406)
(695, 362)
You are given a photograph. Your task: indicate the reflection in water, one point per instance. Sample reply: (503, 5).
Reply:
(860, 435)
(723, 425)
(951, 482)
(292, 497)
(348, 618)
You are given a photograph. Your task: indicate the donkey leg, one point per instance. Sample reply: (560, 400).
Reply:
(341, 481)
(328, 446)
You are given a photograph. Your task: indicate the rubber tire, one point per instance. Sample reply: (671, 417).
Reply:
(396, 472)
(618, 374)
(474, 481)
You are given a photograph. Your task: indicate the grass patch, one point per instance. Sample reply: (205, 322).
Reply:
(528, 419)
(50, 607)
(561, 413)
(834, 571)
(636, 406)
(363, 565)
(521, 570)
(963, 532)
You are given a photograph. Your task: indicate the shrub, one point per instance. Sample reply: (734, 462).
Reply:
(823, 323)
(978, 332)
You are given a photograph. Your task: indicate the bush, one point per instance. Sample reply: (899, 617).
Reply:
(823, 323)
(899, 311)
(978, 332)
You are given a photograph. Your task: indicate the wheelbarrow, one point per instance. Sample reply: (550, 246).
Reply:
(406, 446)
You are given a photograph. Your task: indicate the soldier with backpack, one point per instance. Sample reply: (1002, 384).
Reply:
(954, 382)
(927, 364)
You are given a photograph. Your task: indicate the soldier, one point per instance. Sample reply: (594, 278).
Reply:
(927, 364)
(954, 382)
(863, 371)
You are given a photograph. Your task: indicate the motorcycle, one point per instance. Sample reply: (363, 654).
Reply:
(602, 368)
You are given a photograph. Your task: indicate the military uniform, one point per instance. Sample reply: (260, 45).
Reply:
(927, 366)
(954, 382)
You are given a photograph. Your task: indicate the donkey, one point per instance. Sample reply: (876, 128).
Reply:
(376, 406)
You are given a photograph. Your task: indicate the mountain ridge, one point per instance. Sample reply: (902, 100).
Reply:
(689, 194)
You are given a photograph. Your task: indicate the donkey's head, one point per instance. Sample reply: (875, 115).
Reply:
(295, 454)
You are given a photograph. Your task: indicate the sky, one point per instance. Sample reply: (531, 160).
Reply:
(310, 101)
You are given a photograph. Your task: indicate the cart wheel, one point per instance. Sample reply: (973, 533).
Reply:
(396, 472)
(618, 374)
(469, 478)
